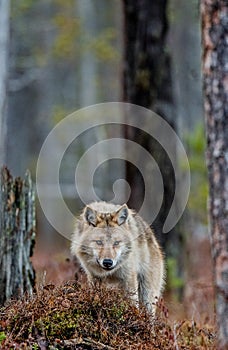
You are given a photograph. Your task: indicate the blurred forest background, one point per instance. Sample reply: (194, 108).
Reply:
(65, 55)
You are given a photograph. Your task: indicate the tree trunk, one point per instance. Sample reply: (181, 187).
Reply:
(17, 235)
(147, 79)
(4, 42)
(214, 32)
(147, 82)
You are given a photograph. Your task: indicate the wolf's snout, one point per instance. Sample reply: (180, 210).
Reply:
(107, 263)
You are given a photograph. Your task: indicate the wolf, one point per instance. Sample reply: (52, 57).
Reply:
(115, 246)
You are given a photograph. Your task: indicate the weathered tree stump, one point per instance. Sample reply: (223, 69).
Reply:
(17, 235)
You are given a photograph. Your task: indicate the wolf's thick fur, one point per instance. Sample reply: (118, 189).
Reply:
(115, 246)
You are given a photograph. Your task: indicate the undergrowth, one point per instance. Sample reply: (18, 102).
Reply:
(76, 316)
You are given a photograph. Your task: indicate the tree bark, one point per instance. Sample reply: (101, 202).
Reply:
(147, 79)
(215, 58)
(4, 43)
(147, 82)
(17, 235)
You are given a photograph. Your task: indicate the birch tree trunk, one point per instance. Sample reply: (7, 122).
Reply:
(17, 235)
(4, 43)
(215, 68)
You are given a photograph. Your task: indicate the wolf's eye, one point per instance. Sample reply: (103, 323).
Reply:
(116, 243)
(99, 242)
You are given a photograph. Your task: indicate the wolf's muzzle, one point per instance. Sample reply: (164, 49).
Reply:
(108, 264)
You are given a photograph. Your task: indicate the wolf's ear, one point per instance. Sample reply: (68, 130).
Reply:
(90, 216)
(122, 214)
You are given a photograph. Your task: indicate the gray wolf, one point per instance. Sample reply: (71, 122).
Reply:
(115, 246)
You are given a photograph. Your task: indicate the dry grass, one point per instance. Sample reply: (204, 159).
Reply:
(74, 316)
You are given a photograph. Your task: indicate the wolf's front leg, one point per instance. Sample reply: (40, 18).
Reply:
(131, 284)
(147, 295)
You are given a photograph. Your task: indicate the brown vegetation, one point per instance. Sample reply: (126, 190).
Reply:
(74, 316)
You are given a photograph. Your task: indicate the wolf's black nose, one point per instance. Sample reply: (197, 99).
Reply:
(107, 263)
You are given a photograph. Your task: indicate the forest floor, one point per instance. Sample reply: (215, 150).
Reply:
(74, 316)
(56, 266)
(65, 313)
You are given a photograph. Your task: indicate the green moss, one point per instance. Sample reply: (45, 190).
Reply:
(2, 336)
(58, 325)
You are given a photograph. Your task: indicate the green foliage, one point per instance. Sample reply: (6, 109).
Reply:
(102, 46)
(35, 346)
(196, 144)
(173, 280)
(73, 37)
(19, 7)
(59, 112)
(56, 35)
(2, 336)
(196, 140)
(66, 42)
(26, 34)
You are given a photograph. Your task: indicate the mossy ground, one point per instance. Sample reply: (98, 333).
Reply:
(74, 316)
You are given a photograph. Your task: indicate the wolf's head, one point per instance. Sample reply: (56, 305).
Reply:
(105, 219)
(104, 236)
